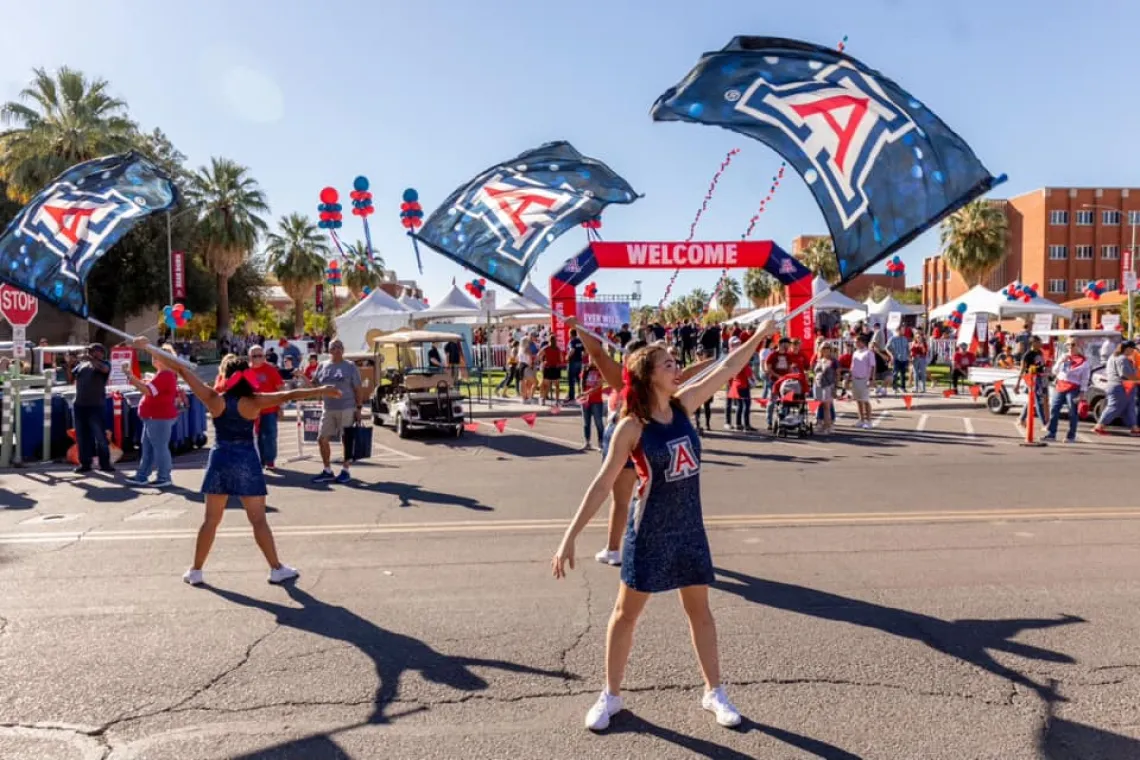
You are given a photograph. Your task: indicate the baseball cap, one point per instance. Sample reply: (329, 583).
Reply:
(97, 347)
(1128, 344)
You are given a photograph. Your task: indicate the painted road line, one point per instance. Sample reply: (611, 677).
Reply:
(558, 525)
(393, 453)
(879, 418)
(551, 438)
(920, 426)
(969, 425)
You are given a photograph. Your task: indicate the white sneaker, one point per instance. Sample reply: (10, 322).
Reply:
(718, 703)
(606, 557)
(193, 577)
(282, 574)
(598, 718)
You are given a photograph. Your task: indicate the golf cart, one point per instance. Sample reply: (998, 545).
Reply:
(413, 395)
(1096, 346)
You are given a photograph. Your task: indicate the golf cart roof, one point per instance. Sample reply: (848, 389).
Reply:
(407, 337)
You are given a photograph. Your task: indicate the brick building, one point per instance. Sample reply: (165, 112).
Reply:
(1059, 237)
(858, 288)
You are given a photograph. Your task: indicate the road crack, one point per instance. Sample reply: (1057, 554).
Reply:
(565, 670)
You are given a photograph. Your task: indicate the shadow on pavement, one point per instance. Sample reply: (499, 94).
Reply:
(966, 640)
(411, 494)
(392, 655)
(1065, 740)
(628, 723)
(13, 500)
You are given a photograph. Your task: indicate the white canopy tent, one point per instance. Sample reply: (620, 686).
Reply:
(413, 304)
(982, 300)
(454, 305)
(376, 311)
(834, 300)
(881, 310)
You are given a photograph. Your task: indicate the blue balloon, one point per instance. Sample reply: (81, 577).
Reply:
(335, 207)
(961, 308)
(360, 184)
(323, 224)
(168, 311)
(411, 196)
(187, 315)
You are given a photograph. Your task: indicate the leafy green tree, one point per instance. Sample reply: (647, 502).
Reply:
(59, 121)
(974, 239)
(759, 286)
(296, 255)
(728, 296)
(819, 257)
(229, 204)
(361, 270)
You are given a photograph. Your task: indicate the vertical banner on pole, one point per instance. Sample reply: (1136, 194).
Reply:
(178, 274)
(49, 380)
(802, 325)
(1127, 273)
(564, 301)
(319, 299)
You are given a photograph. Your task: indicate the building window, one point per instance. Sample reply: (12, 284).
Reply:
(1134, 217)
(1058, 252)
(1110, 252)
(1058, 217)
(1110, 217)
(1080, 285)
(1085, 251)
(1110, 283)
(1085, 218)
(1056, 286)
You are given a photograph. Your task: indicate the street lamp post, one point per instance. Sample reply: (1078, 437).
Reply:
(1131, 255)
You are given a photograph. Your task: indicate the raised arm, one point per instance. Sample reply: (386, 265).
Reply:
(695, 369)
(626, 436)
(213, 401)
(266, 400)
(610, 369)
(696, 394)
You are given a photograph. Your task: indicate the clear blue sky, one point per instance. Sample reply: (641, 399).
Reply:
(309, 94)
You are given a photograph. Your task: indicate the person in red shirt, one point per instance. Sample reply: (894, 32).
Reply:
(960, 370)
(593, 404)
(740, 388)
(268, 381)
(158, 410)
(311, 368)
(551, 371)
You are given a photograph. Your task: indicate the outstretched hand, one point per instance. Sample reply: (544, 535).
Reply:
(329, 391)
(141, 342)
(564, 555)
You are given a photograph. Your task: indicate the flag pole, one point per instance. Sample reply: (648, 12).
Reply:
(128, 337)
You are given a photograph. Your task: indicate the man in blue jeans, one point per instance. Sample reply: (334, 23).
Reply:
(899, 348)
(574, 353)
(90, 409)
(1071, 372)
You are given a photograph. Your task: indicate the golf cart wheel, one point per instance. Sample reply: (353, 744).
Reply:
(1098, 407)
(401, 426)
(996, 404)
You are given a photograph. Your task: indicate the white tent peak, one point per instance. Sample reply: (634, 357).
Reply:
(414, 304)
(981, 300)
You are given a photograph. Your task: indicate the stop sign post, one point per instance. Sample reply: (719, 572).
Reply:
(19, 308)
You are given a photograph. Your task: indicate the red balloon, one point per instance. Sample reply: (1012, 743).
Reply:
(405, 206)
(329, 195)
(1027, 299)
(483, 281)
(334, 264)
(1034, 287)
(1100, 284)
(407, 222)
(417, 222)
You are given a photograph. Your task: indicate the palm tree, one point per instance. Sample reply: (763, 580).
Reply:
(360, 269)
(759, 286)
(728, 296)
(229, 203)
(819, 257)
(973, 239)
(296, 254)
(60, 121)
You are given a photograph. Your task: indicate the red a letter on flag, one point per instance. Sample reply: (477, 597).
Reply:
(522, 201)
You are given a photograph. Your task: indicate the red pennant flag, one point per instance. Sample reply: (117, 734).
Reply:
(947, 393)
(556, 410)
(1129, 385)
(471, 427)
(789, 398)
(908, 400)
(813, 406)
(975, 391)
(501, 425)
(763, 402)
(528, 418)
(998, 385)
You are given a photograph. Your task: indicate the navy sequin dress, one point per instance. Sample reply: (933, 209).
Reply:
(234, 467)
(665, 543)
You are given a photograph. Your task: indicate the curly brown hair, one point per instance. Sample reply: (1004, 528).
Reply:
(638, 374)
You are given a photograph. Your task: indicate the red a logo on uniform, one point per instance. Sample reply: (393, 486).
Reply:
(683, 462)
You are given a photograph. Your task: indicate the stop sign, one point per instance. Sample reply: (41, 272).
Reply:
(18, 307)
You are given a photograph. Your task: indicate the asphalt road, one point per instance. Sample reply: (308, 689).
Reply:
(927, 589)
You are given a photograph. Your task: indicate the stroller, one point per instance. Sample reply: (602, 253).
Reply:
(791, 416)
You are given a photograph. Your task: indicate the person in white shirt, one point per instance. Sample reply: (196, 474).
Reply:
(1071, 373)
(862, 375)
